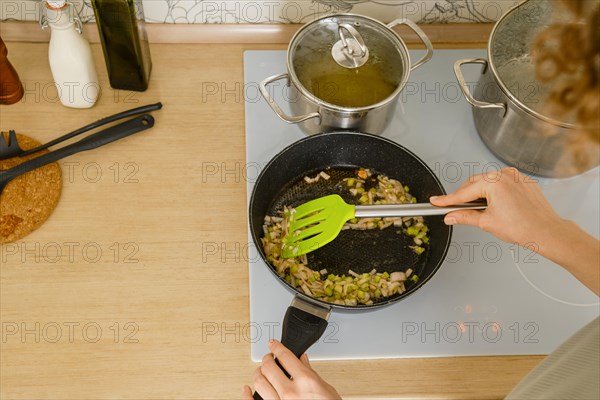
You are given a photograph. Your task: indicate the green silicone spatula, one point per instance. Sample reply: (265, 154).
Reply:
(317, 222)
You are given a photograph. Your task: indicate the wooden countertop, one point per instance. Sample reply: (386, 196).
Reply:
(137, 286)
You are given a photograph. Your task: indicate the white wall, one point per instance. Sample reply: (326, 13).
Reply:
(287, 11)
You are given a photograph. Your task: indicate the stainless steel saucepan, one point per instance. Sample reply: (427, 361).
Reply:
(345, 72)
(509, 102)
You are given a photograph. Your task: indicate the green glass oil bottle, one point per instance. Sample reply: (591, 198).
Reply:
(124, 42)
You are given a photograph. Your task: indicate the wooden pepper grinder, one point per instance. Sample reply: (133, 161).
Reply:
(11, 89)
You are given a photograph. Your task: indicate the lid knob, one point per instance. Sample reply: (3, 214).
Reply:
(350, 52)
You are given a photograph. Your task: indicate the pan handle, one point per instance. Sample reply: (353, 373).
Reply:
(465, 88)
(422, 36)
(275, 107)
(304, 323)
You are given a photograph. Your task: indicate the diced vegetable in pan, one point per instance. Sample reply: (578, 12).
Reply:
(354, 288)
(386, 191)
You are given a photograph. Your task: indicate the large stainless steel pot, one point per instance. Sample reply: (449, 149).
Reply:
(509, 103)
(334, 66)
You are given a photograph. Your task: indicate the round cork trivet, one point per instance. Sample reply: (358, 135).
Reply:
(28, 200)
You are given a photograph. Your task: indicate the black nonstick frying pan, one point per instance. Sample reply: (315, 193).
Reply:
(281, 183)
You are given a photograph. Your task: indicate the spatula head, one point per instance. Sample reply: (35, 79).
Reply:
(314, 224)
(11, 148)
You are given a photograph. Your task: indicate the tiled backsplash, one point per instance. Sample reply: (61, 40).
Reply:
(286, 11)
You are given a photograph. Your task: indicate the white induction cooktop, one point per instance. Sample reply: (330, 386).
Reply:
(489, 297)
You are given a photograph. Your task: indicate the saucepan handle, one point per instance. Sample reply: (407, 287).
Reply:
(304, 323)
(422, 36)
(275, 107)
(465, 88)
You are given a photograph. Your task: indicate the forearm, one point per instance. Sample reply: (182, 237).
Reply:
(575, 250)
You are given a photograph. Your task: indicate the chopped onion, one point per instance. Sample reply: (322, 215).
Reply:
(355, 288)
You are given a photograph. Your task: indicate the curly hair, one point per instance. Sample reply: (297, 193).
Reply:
(567, 59)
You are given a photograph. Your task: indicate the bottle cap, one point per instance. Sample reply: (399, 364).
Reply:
(56, 4)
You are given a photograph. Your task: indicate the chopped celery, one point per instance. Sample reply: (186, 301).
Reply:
(366, 288)
(412, 231)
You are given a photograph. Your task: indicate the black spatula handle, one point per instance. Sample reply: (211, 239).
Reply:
(96, 124)
(301, 329)
(93, 141)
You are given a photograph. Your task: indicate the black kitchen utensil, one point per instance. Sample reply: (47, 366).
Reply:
(93, 141)
(11, 148)
(339, 154)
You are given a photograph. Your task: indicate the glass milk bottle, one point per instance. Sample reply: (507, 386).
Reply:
(70, 56)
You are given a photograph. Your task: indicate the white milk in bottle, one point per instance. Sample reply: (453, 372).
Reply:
(70, 56)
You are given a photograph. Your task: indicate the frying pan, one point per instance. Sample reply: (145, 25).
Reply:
(281, 183)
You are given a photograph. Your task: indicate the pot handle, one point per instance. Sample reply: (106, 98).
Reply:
(421, 35)
(275, 107)
(465, 89)
(304, 323)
